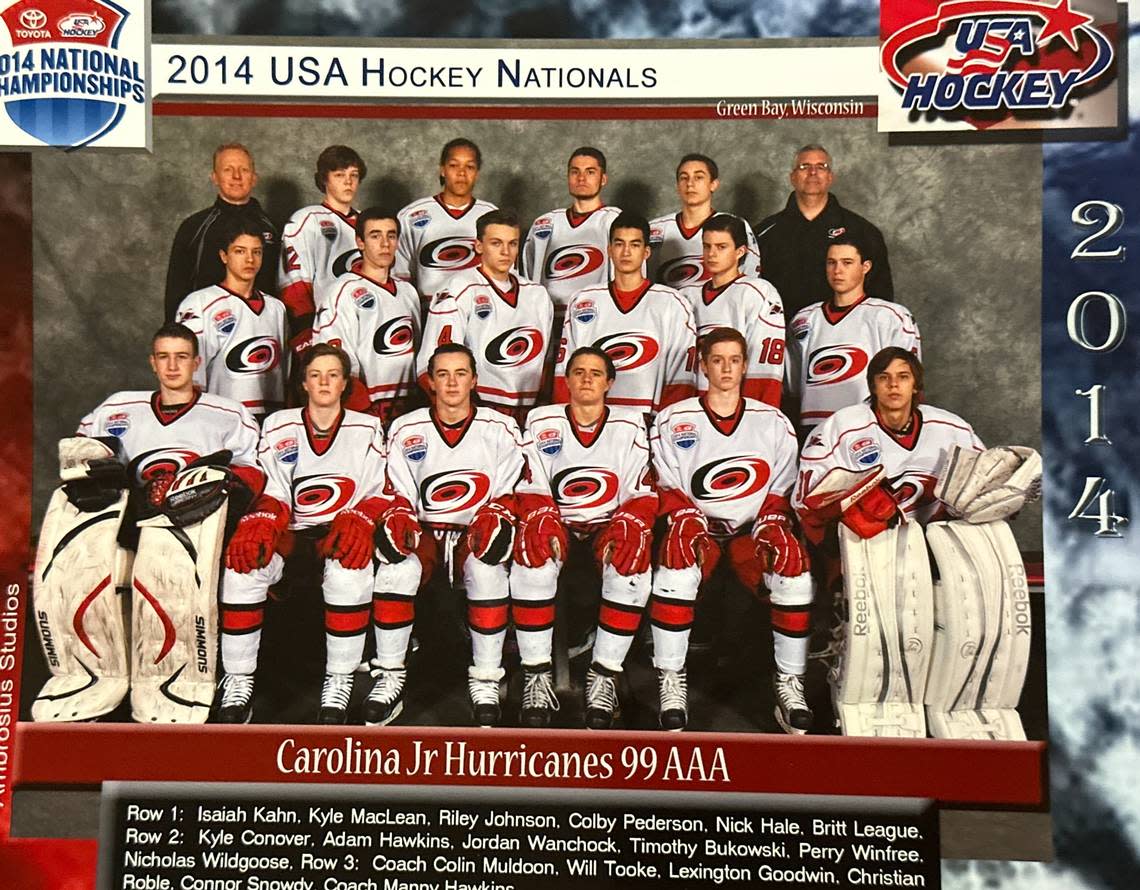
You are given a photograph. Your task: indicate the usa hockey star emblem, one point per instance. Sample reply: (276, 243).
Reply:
(64, 79)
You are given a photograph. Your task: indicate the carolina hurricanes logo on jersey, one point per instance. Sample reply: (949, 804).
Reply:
(395, 337)
(629, 349)
(449, 254)
(731, 478)
(342, 265)
(258, 355)
(573, 261)
(162, 461)
(834, 364)
(515, 347)
(454, 492)
(913, 490)
(584, 488)
(321, 497)
(682, 271)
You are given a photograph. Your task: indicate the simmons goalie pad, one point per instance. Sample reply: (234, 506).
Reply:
(989, 485)
(878, 686)
(982, 632)
(79, 615)
(174, 600)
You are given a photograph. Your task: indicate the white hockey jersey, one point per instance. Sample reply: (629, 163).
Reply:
(378, 325)
(159, 442)
(753, 307)
(854, 439)
(509, 332)
(243, 349)
(566, 251)
(677, 257)
(436, 241)
(448, 474)
(726, 467)
(830, 349)
(590, 474)
(318, 246)
(650, 336)
(313, 478)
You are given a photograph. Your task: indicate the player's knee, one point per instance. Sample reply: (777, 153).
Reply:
(629, 590)
(676, 583)
(537, 583)
(401, 577)
(484, 581)
(797, 590)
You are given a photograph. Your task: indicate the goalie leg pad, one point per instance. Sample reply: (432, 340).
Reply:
(532, 609)
(175, 607)
(671, 614)
(983, 632)
(623, 602)
(394, 608)
(879, 684)
(348, 612)
(488, 599)
(791, 599)
(243, 610)
(79, 616)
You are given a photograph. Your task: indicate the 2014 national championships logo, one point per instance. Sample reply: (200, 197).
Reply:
(64, 79)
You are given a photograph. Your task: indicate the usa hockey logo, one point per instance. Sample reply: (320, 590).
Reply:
(629, 350)
(731, 478)
(572, 261)
(285, 451)
(320, 498)
(420, 218)
(543, 227)
(257, 355)
(865, 451)
(980, 62)
(118, 424)
(449, 254)
(71, 73)
(363, 298)
(584, 311)
(684, 435)
(224, 321)
(515, 347)
(482, 306)
(395, 337)
(549, 442)
(415, 448)
(584, 488)
(835, 364)
(454, 492)
(683, 271)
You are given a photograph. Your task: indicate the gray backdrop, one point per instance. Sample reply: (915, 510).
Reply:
(962, 224)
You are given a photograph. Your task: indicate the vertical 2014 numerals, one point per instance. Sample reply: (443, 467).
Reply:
(1105, 218)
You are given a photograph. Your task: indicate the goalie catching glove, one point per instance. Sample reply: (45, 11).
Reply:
(687, 542)
(349, 540)
(777, 546)
(398, 532)
(490, 537)
(994, 484)
(541, 535)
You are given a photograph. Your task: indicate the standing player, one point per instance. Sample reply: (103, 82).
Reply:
(589, 472)
(730, 299)
(452, 470)
(325, 467)
(375, 318)
(566, 248)
(241, 331)
(318, 245)
(193, 256)
(832, 342)
(725, 467)
(646, 328)
(676, 239)
(437, 233)
(504, 321)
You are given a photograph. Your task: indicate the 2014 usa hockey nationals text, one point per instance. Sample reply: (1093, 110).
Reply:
(689, 764)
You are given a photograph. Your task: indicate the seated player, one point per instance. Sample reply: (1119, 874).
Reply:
(452, 470)
(505, 321)
(725, 469)
(160, 435)
(589, 473)
(731, 299)
(241, 330)
(375, 318)
(831, 342)
(325, 469)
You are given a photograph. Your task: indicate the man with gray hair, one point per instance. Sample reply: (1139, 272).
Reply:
(793, 243)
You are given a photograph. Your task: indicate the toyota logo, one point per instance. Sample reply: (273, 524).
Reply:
(33, 18)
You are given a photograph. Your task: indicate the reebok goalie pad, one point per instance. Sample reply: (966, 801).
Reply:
(78, 613)
(174, 600)
(877, 688)
(982, 632)
(990, 485)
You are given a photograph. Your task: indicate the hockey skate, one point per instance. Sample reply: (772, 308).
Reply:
(673, 687)
(385, 701)
(792, 711)
(539, 698)
(335, 694)
(601, 697)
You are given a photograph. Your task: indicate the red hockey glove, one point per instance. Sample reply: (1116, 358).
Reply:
(491, 534)
(156, 488)
(541, 537)
(349, 540)
(398, 532)
(778, 547)
(253, 542)
(874, 512)
(625, 544)
(687, 540)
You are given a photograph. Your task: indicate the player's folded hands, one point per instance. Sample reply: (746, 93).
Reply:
(541, 537)
(625, 543)
(349, 540)
(778, 547)
(252, 544)
(687, 540)
(398, 532)
(491, 534)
